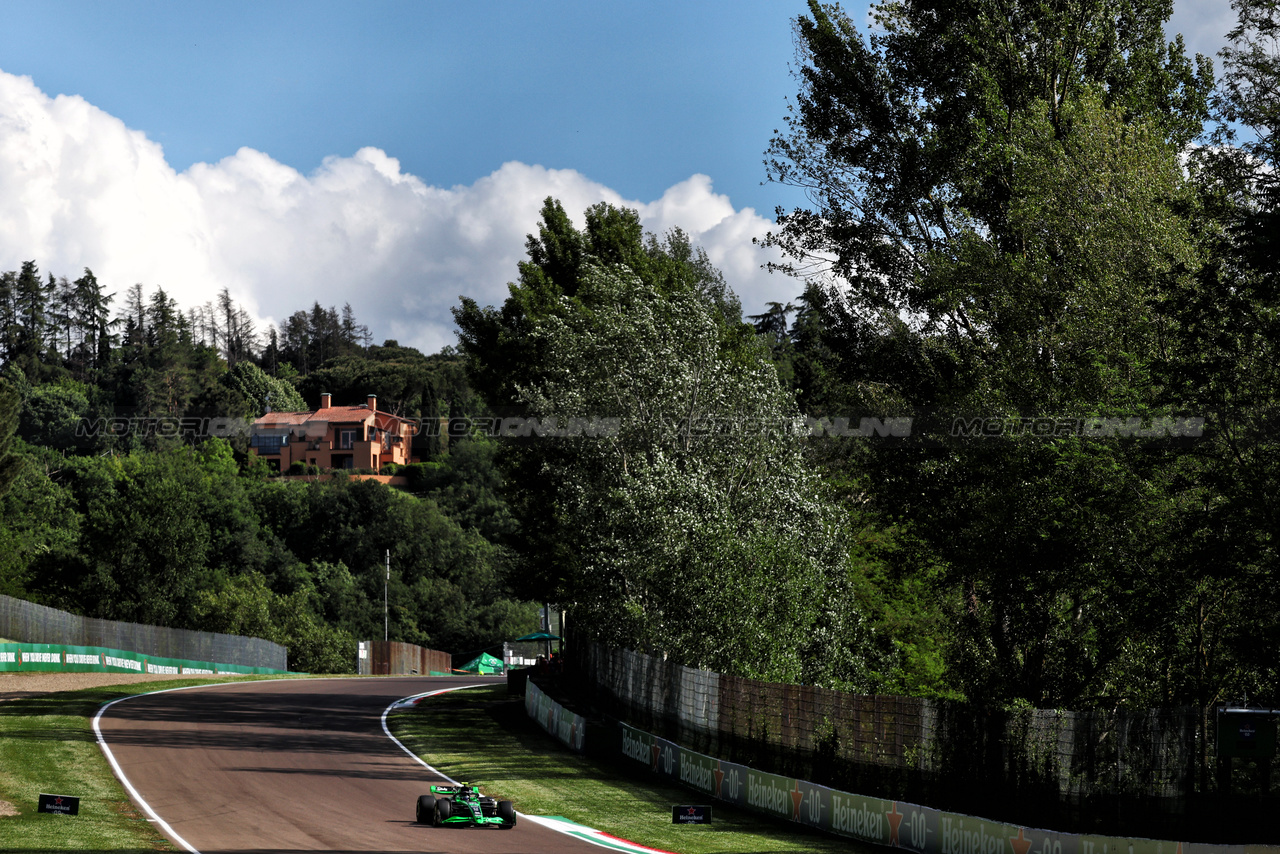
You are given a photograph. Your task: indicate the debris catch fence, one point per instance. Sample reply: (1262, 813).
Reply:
(27, 622)
(1123, 772)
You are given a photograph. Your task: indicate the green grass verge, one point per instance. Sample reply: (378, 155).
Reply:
(482, 735)
(47, 744)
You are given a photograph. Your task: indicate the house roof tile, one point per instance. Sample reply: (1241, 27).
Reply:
(332, 414)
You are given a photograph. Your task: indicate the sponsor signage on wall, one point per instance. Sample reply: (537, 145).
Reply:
(566, 726)
(88, 659)
(896, 824)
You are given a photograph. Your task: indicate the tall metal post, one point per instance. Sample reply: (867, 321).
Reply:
(386, 619)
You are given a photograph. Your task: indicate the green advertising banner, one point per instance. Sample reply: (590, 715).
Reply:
(639, 745)
(57, 658)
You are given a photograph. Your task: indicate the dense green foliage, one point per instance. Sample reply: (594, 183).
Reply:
(1012, 219)
(692, 524)
(10, 461)
(181, 537)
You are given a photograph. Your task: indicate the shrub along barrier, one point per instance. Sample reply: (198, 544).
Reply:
(57, 658)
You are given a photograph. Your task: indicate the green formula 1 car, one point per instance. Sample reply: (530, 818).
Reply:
(464, 806)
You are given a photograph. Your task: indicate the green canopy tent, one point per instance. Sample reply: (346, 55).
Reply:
(483, 664)
(537, 636)
(545, 637)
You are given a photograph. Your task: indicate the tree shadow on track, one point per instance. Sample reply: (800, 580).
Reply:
(294, 721)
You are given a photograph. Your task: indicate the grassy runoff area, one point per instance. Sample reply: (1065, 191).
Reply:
(47, 744)
(483, 736)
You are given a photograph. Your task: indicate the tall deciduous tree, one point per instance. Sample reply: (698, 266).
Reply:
(997, 219)
(1223, 359)
(264, 393)
(915, 143)
(691, 524)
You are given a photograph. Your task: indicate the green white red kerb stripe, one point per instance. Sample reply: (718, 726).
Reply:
(587, 834)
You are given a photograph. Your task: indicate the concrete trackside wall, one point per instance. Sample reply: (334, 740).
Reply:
(57, 658)
(882, 822)
(566, 726)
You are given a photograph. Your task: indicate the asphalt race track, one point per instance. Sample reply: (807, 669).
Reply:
(293, 765)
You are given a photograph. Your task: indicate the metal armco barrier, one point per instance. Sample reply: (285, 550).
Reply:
(56, 658)
(28, 622)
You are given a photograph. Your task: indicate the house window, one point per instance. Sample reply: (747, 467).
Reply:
(264, 444)
(346, 439)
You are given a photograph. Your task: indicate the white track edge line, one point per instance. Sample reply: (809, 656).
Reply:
(115, 766)
(415, 757)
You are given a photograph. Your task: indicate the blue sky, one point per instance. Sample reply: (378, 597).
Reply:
(636, 96)
(391, 155)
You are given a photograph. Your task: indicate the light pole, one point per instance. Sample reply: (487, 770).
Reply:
(386, 619)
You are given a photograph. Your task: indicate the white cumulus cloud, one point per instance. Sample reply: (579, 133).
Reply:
(80, 189)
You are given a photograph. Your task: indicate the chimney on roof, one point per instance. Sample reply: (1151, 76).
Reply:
(326, 400)
(373, 403)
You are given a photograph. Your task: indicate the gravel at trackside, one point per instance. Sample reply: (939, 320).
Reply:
(14, 686)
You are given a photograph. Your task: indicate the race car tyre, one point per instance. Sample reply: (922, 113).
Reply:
(444, 809)
(426, 809)
(507, 813)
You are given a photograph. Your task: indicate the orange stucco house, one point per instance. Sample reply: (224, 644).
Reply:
(334, 437)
